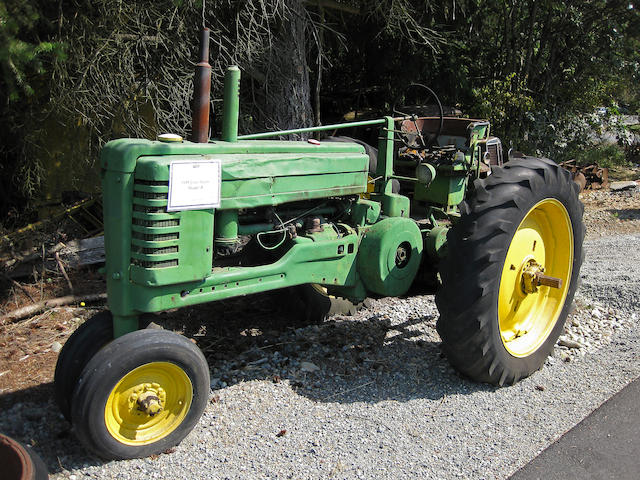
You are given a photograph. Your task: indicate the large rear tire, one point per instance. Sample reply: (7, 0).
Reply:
(519, 227)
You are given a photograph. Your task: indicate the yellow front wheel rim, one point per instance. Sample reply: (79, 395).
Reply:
(543, 242)
(148, 403)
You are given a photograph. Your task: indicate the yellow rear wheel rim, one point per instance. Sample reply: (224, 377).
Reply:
(544, 238)
(171, 391)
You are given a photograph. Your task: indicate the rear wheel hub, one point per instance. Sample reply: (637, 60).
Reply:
(535, 277)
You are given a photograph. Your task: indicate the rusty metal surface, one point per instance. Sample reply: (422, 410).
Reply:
(552, 282)
(313, 225)
(201, 92)
(15, 460)
(580, 179)
(589, 177)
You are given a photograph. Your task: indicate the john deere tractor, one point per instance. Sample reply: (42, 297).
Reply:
(189, 222)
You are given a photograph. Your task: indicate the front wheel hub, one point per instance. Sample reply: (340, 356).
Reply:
(149, 403)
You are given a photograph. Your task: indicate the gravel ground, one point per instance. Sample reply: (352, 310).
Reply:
(371, 396)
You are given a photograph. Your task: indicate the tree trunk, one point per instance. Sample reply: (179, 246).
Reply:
(287, 101)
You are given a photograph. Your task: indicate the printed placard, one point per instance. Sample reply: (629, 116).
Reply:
(194, 185)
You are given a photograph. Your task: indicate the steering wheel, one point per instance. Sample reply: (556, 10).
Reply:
(411, 134)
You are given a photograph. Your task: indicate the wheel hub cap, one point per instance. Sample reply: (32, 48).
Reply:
(403, 254)
(148, 403)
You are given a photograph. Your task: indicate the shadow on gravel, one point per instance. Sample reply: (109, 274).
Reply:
(352, 360)
(366, 358)
(32, 417)
(625, 213)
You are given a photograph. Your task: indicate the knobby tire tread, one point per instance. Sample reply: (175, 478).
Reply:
(471, 271)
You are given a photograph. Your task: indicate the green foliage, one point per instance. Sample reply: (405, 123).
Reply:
(500, 100)
(535, 68)
(532, 67)
(605, 156)
(404, 20)
(22, 54)
(27, 53)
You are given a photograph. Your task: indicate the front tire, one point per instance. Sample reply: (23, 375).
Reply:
(79, 349)
(521, 224)
(140, 395)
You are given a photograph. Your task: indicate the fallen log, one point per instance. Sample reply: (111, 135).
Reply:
(30, 310)
(74, 254)
(16, 284)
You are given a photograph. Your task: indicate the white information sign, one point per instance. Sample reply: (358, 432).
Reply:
(194, 185)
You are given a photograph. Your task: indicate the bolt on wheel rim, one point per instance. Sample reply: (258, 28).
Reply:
(148, 403)
(542, 246)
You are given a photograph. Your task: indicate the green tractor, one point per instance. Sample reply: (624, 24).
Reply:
(189, 222)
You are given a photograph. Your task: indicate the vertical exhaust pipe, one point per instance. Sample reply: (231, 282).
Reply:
(201, 93)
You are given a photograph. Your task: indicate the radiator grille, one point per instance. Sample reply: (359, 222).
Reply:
(155, 183)
(160, 264)
(158, 237)
(156, 223)
(146, 209)
(494, 148)
(154, 251)
(150, 209)
(150, 195)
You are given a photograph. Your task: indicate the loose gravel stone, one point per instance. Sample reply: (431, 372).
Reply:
(371, 396)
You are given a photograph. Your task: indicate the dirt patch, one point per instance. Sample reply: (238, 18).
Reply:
(28, 348)
(624, 172)
(611, 213)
